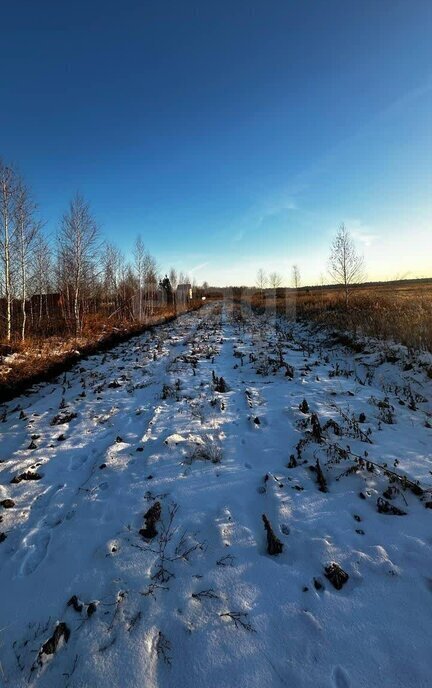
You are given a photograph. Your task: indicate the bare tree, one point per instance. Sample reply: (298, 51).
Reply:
(296, 277)
(346, 265)
(275, 280)
(261, 279)
(41, 276)
(26, 231)
(8, 190)
(128, 288)
(78, 248)
(110, 260)
(113, 262)
(173, 278)
(151, 282)
(140, 257)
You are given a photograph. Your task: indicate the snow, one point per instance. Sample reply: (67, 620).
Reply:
(203, 604)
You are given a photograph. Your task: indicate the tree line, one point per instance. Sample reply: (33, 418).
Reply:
(345, 267)
(54, 285)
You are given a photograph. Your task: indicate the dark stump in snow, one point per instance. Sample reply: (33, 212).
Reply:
(27, 475)
(384, 507)
(316, 428)
(336, 575)
(91, 609)
(151, 517)
(304, 406)
(61, 632)
(75, 603)
(320, 477)
(274, 545)
(289, 371)
(220, 385)
(292, 462)
(62, 418)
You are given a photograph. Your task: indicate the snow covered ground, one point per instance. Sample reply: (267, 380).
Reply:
(309, 433)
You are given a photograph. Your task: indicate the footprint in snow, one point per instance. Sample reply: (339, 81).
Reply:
(43, 500)
(37, 548)
(55, 518)
(340, 678)
(77, 462)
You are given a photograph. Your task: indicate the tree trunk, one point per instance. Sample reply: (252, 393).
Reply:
(7, 282)
(23, 282)
(76, 312)
(40, 303)
(6, 195)
(23, 302)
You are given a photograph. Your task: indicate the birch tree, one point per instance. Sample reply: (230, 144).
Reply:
(26, 231)
(346, 265)
(78, 247)
(261, 279)
(8, 190)
(110, 260)
(42, 269)
(296, 278)
(173, 278)
(150, 282)
(140, 261)
(275, 280)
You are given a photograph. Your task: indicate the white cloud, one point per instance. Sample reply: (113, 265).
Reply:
(197, 268)
(362, 233)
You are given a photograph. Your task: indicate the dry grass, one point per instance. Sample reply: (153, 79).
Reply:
(400, 313)
(25, 363)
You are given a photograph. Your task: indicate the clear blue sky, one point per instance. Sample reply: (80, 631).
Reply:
(231, 135)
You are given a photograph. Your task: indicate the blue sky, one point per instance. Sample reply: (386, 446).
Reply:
(231, 135)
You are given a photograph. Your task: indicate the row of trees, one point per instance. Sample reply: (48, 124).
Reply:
(345, 267)
(51, 284)
(274, 280)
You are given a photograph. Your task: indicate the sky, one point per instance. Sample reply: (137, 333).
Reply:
(232, 135)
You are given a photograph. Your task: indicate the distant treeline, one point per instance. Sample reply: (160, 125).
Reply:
(58, 285)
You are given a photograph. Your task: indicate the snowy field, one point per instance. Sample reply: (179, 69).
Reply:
(134, 551)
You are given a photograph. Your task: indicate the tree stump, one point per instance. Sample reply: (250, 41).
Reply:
(274, 545)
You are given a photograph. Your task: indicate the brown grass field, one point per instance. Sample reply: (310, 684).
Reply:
(393, 311)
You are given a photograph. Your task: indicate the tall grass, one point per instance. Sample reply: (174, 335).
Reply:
(38, 358)
(399, 315)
